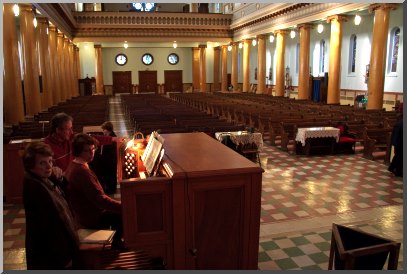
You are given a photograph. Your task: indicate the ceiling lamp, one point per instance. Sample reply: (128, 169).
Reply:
(16, 10)
(126, 45)
(271, 38)
(254, 42)
(174, 45)
(292, 34)
(229, 48)
(240, 45)
(358, 19)
(320, 28)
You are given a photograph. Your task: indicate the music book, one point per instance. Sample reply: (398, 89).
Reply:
(152, 152)
(95, 236)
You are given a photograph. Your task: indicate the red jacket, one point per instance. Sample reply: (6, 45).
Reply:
(86, 195)
(63, 149)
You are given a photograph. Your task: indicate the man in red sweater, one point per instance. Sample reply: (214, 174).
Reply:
(93, 208)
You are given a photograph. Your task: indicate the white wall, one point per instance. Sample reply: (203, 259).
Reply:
(87, 60)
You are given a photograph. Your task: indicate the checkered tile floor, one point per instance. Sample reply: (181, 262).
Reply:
(302, 196)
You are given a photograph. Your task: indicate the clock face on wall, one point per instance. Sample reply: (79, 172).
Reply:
(121, 59)
(173, 59)
(147, 59)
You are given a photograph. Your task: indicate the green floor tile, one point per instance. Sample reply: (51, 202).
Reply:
(311, 267)
(263, 257)
(285, 264)
(323, 246)
(300, 241)
(326, 235)
(269, 245)
(293, 251)
(319, 257)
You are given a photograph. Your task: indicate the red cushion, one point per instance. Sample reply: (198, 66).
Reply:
(341, 129)
(346, 140)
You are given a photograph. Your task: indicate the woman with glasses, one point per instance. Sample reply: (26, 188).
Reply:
(51, 240)
(92, 207)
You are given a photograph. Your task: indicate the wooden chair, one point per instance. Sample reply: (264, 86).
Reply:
(355, 249)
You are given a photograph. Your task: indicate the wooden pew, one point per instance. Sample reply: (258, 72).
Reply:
(377, 139)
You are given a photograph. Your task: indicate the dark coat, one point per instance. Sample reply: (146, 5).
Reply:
(51, 233)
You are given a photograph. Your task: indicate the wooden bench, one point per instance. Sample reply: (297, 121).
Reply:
(377, 139)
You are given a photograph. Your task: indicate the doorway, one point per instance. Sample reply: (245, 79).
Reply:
(147, 81)
(122, 82)
(173, 81)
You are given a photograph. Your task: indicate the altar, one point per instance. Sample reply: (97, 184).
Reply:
(316, 140)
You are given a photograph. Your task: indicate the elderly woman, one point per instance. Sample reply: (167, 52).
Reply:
(51, 238)
(92, 207)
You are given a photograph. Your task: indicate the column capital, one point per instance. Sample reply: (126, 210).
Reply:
(388, 6)
(261, 36)
(202, 46)
(42, 20)
(97, 46)
(25, 7)
(337, 17)
(305, 26)
(52, 28)
(76, 47)
(281, 31)
(217, 48)
(60, 34)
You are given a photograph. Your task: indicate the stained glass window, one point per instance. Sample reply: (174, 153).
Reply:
(322, 56)
(395, 49)
(352, 53)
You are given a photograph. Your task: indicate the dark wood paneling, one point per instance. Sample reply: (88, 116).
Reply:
(173, 80)
(147, 81)
(122, 82)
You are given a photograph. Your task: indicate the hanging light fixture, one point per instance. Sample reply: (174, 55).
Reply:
(320, 28)
(292, 34)
(125, 45)
(358, 19)
(271, 38)
(254, 42)
(174, 45)
(16, 10)
(240, 45)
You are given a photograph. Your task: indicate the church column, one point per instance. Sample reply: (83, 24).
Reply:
(234, 77)
(303, 72)
(75, 69)
(224, 85)
(195, 69)
(246, 65)
(378, 54)
(99, 69)
(72, 71)
(202, 67)
(334, 73)
(52, 50)
(30, 61)
(280, 70)
(61, 64)
(216, 64)
(44, 62)
(67, 83)
(13, 104)
(261, 64)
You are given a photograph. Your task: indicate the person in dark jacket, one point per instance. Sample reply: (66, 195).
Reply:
(51, 240)
(396, 165)
(104, 163)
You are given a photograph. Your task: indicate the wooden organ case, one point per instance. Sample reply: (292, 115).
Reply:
(203, 214)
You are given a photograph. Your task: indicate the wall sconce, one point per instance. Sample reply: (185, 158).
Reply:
(320, 28)
(271, 38)
(229, 48)
(16, 10)
(125, 45)
(35, 22)
(292, 34)
(174, 45)
(240, 45)
(254, 42)
(358, 19)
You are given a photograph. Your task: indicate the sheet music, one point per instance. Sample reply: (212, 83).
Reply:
(152, 152)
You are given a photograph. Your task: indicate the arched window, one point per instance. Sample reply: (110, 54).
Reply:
(322, 56)
(394, 49)
(352, 53)
(297, 58)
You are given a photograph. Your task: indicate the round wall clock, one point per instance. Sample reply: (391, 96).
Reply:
(173, 59)
(147, 59)
(120, 59)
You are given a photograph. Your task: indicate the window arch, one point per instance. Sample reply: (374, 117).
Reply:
(352, 53)
(322, 56)
(394, 49)
(297, 57)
